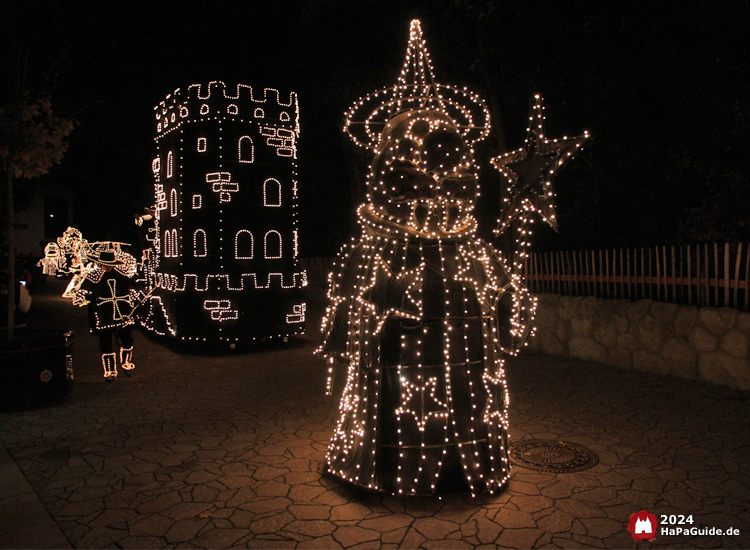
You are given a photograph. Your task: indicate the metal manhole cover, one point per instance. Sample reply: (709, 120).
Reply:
(549, 455)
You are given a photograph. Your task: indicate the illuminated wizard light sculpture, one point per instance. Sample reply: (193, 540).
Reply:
(422, 310)
(224, 264)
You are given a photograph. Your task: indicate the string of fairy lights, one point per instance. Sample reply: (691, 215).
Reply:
(421, 310)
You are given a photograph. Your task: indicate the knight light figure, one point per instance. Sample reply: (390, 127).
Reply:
(421, 309)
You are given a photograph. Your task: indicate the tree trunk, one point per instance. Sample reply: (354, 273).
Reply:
(11, 257)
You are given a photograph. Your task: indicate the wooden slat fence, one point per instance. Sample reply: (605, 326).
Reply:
(716, 275)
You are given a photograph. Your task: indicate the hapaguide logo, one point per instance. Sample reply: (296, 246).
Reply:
(643, 526)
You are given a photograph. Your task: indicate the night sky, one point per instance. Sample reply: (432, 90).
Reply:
(660, 88)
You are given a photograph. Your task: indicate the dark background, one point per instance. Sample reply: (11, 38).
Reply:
(660, 88)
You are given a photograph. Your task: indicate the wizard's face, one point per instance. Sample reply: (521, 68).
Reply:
(423, 175)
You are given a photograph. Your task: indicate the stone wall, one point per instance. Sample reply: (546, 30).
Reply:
(701, 343)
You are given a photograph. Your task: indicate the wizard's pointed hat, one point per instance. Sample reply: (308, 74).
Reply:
(416, 89)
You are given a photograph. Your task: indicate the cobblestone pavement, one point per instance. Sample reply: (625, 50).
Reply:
(226, 451)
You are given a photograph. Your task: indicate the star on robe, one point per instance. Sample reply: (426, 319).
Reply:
(531, 170)
(384, 285)
(494, 384)
(420, 402)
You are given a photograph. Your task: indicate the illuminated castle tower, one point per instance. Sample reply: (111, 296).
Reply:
(224, 261)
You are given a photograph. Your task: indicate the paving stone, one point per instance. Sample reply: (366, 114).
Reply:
(681, 500)
(412, 539)
(487, 530)
(265, 505)
(522, 487)
(422, 506)
(185, 530)
(445, 544)
(601, 528)
(269, 472)
(310, 511)
(322, 543)
(456, 512)
(111, 518)
(332, 497)
(269, 488)
(298, 478)
(186, 510)
(136, 543)
(83, 507)
(88, 493)
(587, 541)
(271, 524)
(349, 511)
(388, 523)
(74, 534)
(518, 538)
(281, 544)
(160, 503)
(557, 490)
(201, 493)
(433, 528)
(513, 519)
(579, 509)
(394, 537)
(298, 465)
(351, 535)
(100, 537)
(311, 527)
(394, 504)
(219, 538)
(532, 503)
(150, 525)
(200, 477)
(556, 522)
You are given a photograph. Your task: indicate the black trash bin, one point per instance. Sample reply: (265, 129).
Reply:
(36, 369)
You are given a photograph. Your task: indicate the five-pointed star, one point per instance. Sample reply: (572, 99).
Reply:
(381, 279)
(421, 402)
(531, 170)
(493, 385)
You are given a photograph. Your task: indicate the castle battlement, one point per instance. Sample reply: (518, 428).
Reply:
(223, 282)
(217, 99)
(217, 89)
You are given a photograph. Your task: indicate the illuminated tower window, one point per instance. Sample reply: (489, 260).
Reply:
(204, 109)
(245, 151)
(170, 243)
(199, 244)
(169, 164)
(284, 116)
(201, 145)
(232, 109)
(197, 201)
(272, 245)
(259, 113)
(243, 245)
(173, 202)
(271, 192)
